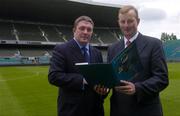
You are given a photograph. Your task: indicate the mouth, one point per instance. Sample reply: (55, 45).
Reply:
(85, 38)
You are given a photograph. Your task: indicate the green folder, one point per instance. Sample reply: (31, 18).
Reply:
(125, 66)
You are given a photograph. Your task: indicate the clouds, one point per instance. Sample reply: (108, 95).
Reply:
(156, 16)
(152, 14)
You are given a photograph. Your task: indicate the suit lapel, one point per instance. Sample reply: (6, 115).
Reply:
(121, 46)
(140, 43)
(75, 50)
(92, 54)
(115, 49)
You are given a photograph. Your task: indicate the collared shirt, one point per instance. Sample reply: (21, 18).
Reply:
(80, 46)
(131, 39)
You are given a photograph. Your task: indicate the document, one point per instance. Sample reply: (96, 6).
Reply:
(125, 66)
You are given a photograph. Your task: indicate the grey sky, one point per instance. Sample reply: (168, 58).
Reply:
(156, 16)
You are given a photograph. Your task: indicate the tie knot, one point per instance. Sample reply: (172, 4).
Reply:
(128, 43)
(84, 48)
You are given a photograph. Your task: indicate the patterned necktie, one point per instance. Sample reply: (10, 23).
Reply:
(128, 43)
(85, 54)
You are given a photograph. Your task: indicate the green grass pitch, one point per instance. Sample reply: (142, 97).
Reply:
(25, 91)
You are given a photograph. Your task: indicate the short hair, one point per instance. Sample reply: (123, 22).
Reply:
(83, 18)
(127, 8)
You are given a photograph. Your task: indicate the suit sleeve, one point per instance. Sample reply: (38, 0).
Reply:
(157, 72)
(58, 74)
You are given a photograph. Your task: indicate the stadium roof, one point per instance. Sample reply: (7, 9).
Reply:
(97, 3)
(58, 11)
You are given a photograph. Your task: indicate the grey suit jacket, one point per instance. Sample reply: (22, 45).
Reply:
(73, 100)
(153, 79)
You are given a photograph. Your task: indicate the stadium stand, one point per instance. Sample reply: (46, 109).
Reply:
(95, 39)
(116, 33)
(51, 33)
(7, 52)
(28, 35)
(6, 31)
(66, 31)
(29, 52)
(28, 32)
(105, 35)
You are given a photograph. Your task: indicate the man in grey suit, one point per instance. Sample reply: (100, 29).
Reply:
(139, 96)
(75, 97)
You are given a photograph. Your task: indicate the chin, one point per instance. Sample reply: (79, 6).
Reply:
(128, 34)
(84, 42)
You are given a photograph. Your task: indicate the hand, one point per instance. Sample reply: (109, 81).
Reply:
(126, 88)
(101, 89)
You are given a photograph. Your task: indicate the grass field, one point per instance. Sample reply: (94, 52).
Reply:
(25, 91)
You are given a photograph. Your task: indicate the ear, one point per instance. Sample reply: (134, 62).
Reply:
(73, 29)
(138, 21)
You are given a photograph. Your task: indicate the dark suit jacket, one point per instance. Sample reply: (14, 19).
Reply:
(73, 100)
(153, 79)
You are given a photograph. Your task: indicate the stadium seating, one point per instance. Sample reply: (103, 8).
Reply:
(32, 52)
(66, 31)
(6, 31)
(7, 52)
(52, 33)
(95, 39)
(116, 33)
(29, 32)
(105, 35)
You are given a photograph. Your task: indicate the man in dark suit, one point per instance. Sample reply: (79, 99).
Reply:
(139, 96)
(75, 97)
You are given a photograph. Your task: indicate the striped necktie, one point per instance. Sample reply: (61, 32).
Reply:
(128, 43)
(85, 54)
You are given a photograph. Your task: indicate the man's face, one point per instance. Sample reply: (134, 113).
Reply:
(128, 23)
(83, 32)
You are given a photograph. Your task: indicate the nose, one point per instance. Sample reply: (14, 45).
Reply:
(85, 31)
(126, 24)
